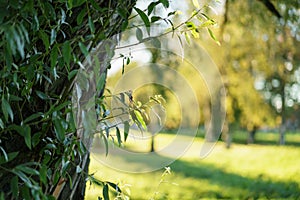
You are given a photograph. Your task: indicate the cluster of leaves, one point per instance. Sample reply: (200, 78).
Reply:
(44, 44)
(125, 112)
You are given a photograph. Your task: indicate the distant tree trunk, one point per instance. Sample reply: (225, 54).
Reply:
(226, 135)
(251, 135)
(283, 119)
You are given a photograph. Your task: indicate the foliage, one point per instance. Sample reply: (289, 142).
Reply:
(44, 44)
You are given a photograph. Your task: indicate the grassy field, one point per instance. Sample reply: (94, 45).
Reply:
(262, 170)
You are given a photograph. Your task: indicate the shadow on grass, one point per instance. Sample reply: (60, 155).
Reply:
(259, 187)
(232, 185)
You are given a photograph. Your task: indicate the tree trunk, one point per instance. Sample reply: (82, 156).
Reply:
(251, 135)
(226, 135)
(282, 113)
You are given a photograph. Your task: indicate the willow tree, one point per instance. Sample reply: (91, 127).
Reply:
(43, 155)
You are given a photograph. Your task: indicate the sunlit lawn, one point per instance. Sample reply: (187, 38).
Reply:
(241, 172)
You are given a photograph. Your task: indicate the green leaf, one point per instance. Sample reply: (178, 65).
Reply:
(25, 193)
(207, 23)
(43, 174)
(7, 111)
(144, 18)
(101, 82)
(91, 25)
(114, 186)
(72, 74)
(96, 5)
(27, 136)
(122, 13)
(81, 16)
(36, 138)
(155, 18)
(151, 7)
(187, 38)
(42, 95)
(213, 36)
(33, 116)
(140, 119)
(45, 39)
(59, 130)
(27, 170)
(85, 51)
(165, 3)
(23, 177)
(66, 51)
(10, 156)
(53, 56)
(14, 186)
(118, 136)
(64, 167)
(105, 192)
(53, 36)
(127, 60)
(139, 34)
(126, 130)
(4, 154)
(1, 124)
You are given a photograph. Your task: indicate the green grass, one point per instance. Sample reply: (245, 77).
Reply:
(241, 172)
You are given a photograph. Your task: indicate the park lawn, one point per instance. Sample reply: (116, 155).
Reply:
(241, 172)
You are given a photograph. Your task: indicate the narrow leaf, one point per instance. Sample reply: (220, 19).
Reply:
(151, 7)
(27, 136)
(59, 130)
(114, 186)
(4, 154)
(66, 50)
(144, 18)
(53, 36)
(213, 36)
(53, 56)
(126, 130)
(155, 18)
(140, 119)
(105, 192)
(10, 156)
(91, 25)
(118, 136)
(165, 3)
(139, 34)
(42, 95)
(32, 117)
(7, 111)
(14, 186)
(43, 174)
